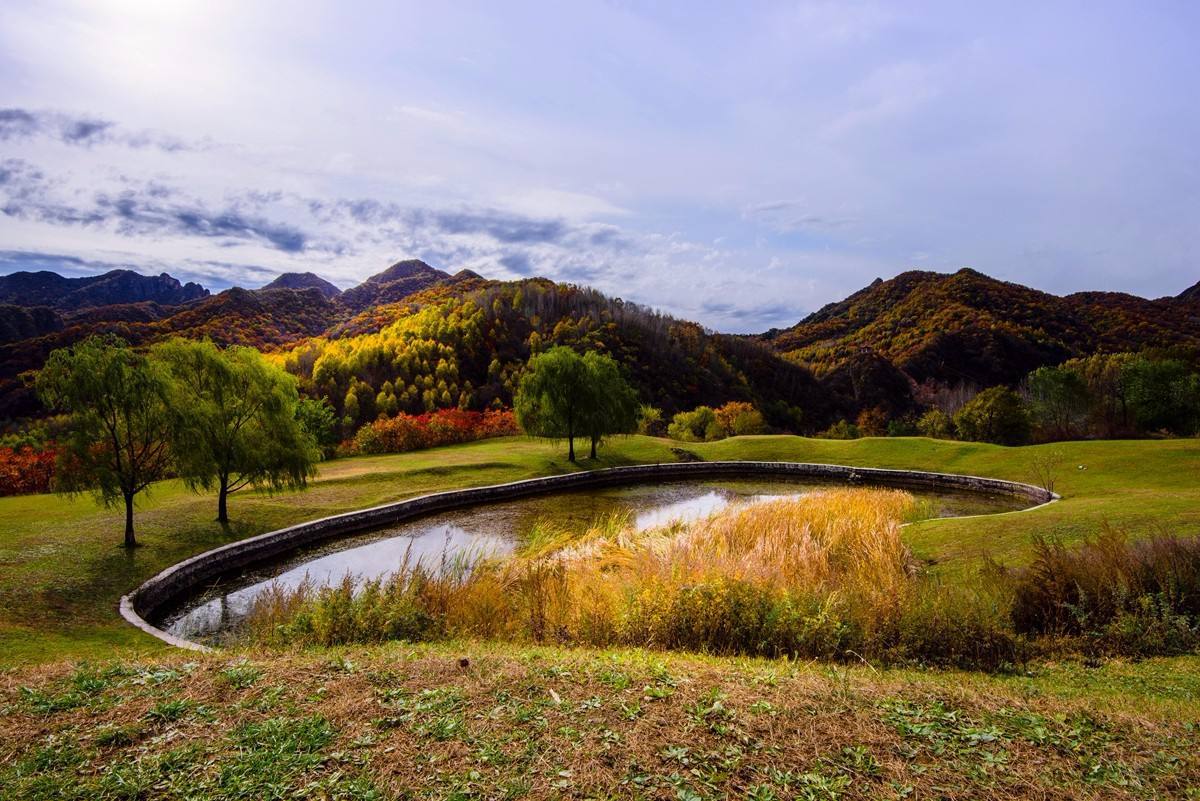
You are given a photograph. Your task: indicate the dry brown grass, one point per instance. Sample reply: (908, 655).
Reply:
(824, 574)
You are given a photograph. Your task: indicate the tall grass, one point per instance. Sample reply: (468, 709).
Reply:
(824, 575)
(1113, 595)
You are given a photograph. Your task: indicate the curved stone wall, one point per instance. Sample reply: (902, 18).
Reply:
(181, 579)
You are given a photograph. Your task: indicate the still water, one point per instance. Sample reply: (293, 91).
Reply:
(497, 528)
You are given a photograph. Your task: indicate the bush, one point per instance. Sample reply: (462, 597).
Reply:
(651, 422)
(405, 432)
(996, 415)
(739, 419)
(842, 429)
(936, 424)
(25, 470)
(698, 425)
(872, 422)
(704, 424)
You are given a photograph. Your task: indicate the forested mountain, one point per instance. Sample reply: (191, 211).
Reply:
(968, 328)
(1192, 293)
(464, 345)
(414, 338)
(45, 288)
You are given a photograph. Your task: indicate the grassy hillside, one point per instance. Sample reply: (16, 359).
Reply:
(62, 570)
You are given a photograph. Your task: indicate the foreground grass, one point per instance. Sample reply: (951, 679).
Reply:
(400, 721)
(62, 570)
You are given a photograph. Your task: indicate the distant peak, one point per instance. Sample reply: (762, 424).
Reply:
(465, 275)
(405, 269)
(304, 281)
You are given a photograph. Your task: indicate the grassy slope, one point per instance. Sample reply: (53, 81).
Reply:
(62, 570)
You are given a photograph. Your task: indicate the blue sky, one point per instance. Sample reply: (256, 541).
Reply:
(738, 164)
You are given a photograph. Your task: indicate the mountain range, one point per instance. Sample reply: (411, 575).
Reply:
(877, 347)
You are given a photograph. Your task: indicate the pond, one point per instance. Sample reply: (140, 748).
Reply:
(496, 528)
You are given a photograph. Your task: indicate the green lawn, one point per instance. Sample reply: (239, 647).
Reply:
(62, 569)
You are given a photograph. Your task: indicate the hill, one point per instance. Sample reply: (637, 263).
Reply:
(463, 343)
(304, 281)
(395, 283)
(966, 327)
(45, 288)
(1192, 293)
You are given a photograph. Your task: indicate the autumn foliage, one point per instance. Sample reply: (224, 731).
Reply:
(26, 470)
(407, 432)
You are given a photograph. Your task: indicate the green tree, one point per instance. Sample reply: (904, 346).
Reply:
(553, 397)
(1105, 377)
(995, 415)
(612, 406)
(1164, 395)
(235, 421)
(1059, 400)
(117, 438)
(319, 419)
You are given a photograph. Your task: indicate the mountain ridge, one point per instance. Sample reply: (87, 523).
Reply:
(47, 288)
(969, 327)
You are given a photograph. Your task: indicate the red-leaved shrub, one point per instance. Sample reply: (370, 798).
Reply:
(406, 432)
(25, 470)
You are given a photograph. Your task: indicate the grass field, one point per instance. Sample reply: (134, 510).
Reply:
(62, 569)
(137, 720)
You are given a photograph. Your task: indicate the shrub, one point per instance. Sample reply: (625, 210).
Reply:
(651, 422)
(704, 424)
(698, 425)
(996, 415)
(842, 429)
(737, 418)
(1123, 597)
(406, 432)
(872, 422)
(936, 424)
(25, 470)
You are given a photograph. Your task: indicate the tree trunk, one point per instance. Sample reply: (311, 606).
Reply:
(223, 503)
(594, 439)
(130, 541)
(570, 448)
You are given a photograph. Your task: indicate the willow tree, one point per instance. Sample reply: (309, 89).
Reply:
(553, 396)
(612, 406)
(563, 395)
(117, 437)
(235, 421)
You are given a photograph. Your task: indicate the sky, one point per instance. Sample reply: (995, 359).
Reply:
(739, 164)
